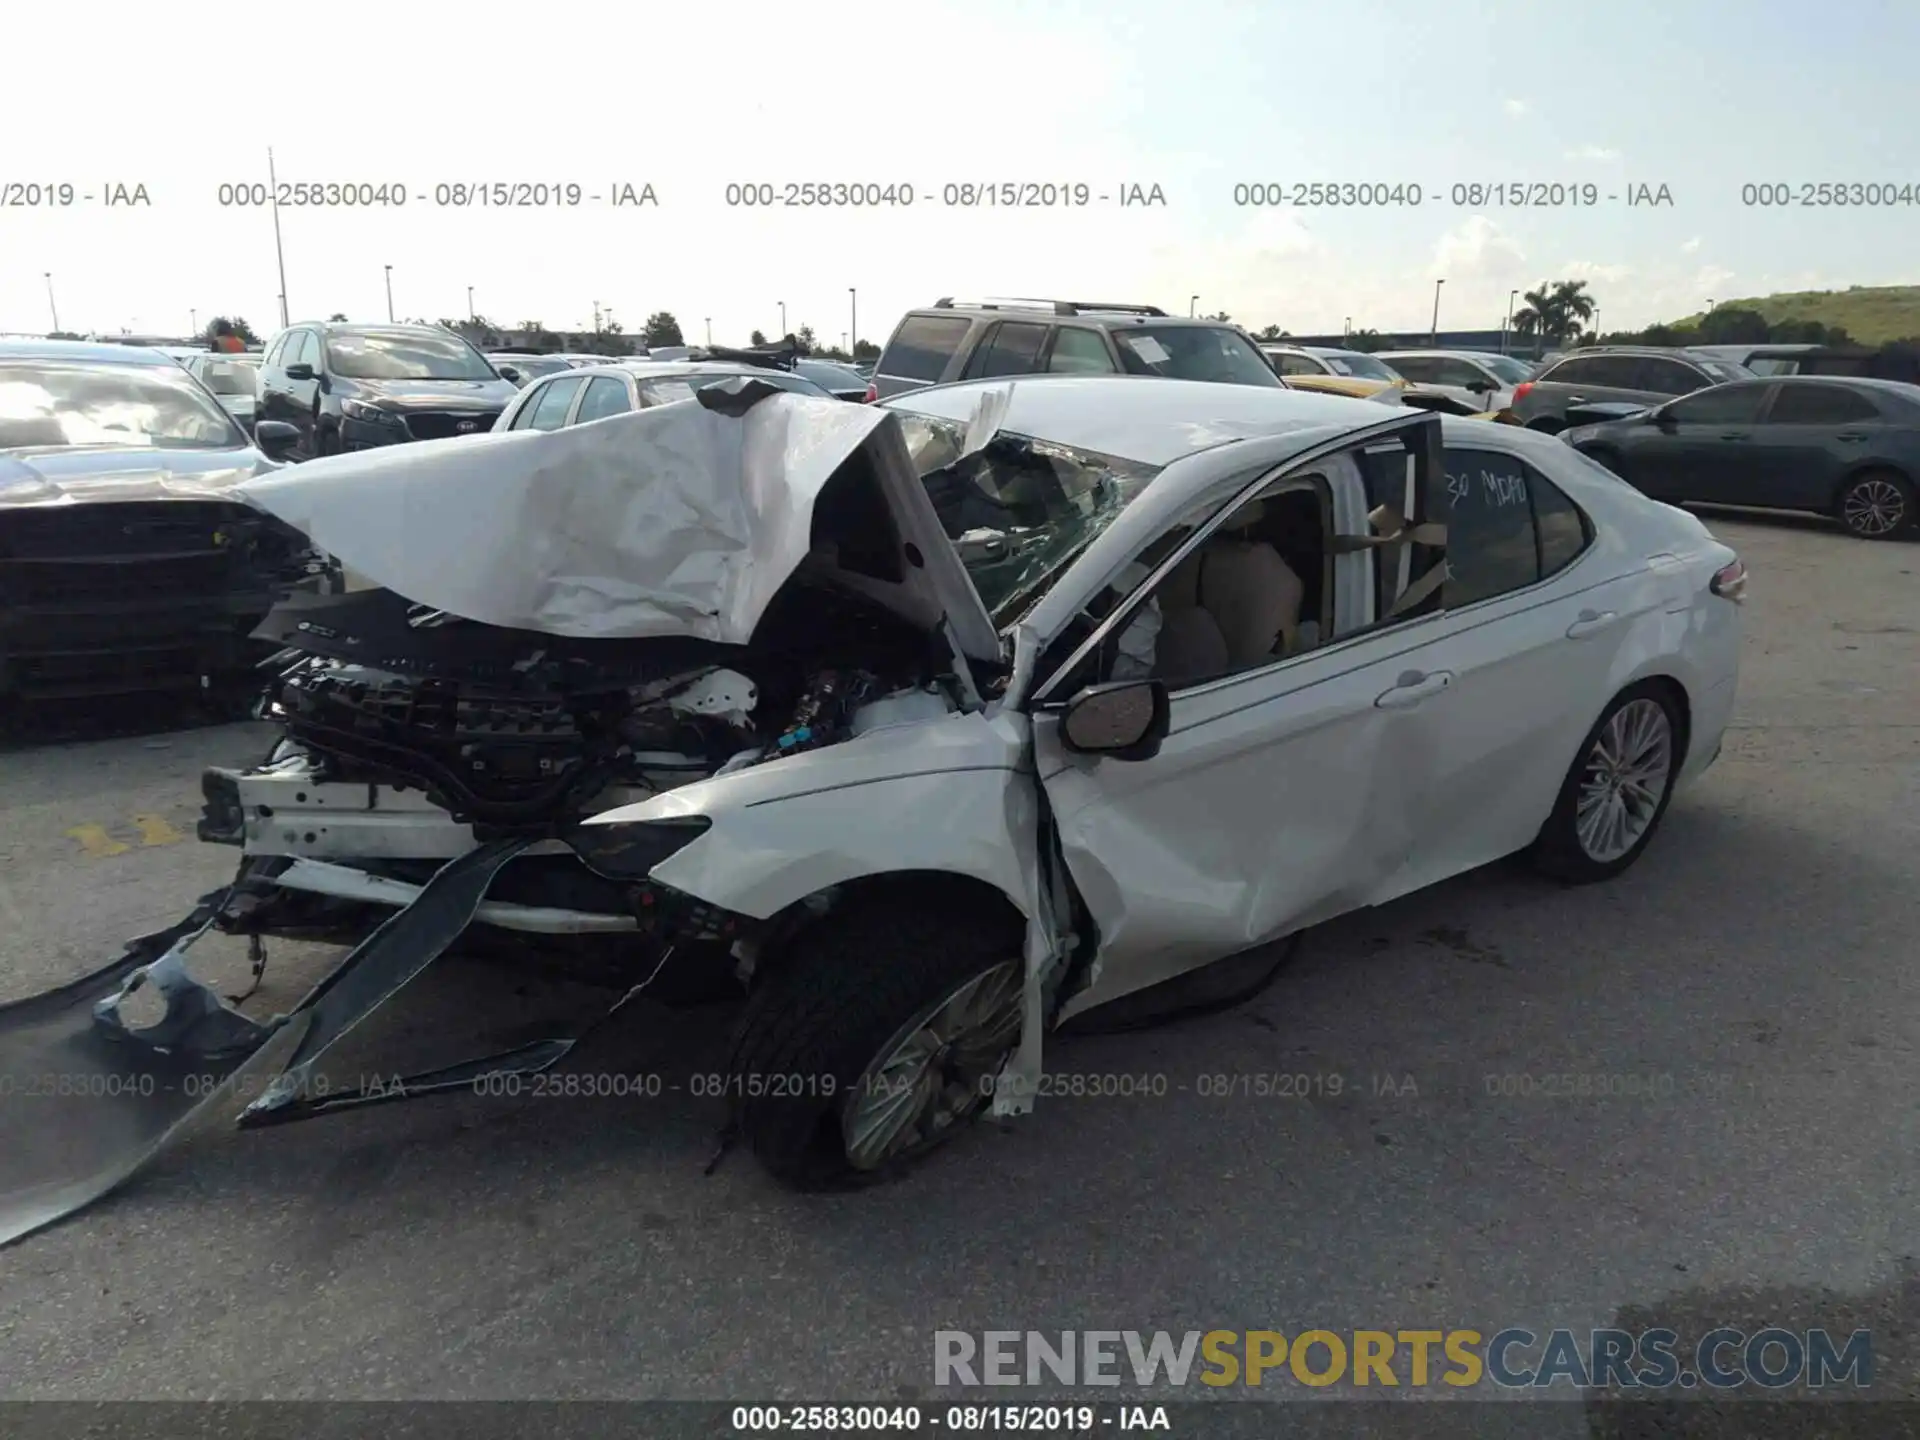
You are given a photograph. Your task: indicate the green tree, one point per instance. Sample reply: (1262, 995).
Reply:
(238, 325)
(339, 315)
(804, 338)
(1222, 317)
(865, 350)
(538, 335)
(1271, 332)
(662, 329)
(757, 338)
(1731, 325)
(1368, 340)
(609, 339)
(1556, 312)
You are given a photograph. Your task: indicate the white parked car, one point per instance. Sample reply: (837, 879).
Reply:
(1482, 380)
(925, 725)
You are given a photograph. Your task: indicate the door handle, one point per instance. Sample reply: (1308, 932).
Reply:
(1413, 687)
(1576, 399)
(1591, 622)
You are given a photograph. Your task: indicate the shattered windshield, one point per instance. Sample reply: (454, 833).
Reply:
(1021, 509)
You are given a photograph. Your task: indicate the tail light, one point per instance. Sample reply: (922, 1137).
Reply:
(1730, 582)
(1520, 391)
(873, 394)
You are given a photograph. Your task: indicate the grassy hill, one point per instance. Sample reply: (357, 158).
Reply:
(1872, 315)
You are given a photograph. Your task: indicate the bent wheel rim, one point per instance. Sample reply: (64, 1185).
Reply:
(1624, 780)
(934, 1072)
(1874, 507)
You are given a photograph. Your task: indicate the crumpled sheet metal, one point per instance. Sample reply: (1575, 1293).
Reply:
(677, 520)
(26, 485)
(87, 1099)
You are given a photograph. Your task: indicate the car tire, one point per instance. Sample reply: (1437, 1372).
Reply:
(1577, 844)
(854, 990)
(1876, 505)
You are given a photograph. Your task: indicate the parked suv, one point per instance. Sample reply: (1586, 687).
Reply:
(355, 387)
(949, 341)
(1642, 375)
(1470, 376)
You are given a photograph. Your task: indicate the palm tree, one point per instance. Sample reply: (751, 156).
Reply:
(1572, 305)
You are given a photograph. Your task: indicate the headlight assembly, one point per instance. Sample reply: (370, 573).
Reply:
(362, 410)
(628, 852)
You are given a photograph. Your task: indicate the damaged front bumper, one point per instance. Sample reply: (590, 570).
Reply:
(87, 1096)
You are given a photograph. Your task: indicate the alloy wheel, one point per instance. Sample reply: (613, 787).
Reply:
(936, 1069)
(1873, 507)
(1625, 780)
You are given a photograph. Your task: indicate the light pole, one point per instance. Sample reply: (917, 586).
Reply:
(279, 254)
(50, 305)
(783, 319)
(1507, 334)
(853, 318)
(596, 317)
(1346, 326)
(709, 324)
(469, 302)
(389, 294)
(1596, 324)
(1193, 306)
(193, 322)
(1433, 337)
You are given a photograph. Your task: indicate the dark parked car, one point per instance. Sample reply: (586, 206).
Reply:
(949, 341)
(354, 387)
(125, 565)
(1848, 448)
(842, 382)
(1643, 375)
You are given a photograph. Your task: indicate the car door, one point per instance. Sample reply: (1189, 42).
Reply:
(1699, 447)
(1466, 382)
(1527, 621)
(273, 379)
(1280, 795)
(1812, 433)
(300, 373)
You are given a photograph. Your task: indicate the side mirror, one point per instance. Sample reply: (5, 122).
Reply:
(276, 438)
(1480, 387)
(1660, 418)
(300, 371)
(507, 372)
(1124, 720)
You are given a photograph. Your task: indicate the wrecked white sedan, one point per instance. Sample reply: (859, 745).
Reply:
(921, 727)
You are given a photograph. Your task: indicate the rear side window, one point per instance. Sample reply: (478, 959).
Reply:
(1421, 369)
(1617, 372)
(1816, 404)
(922, 346)
(1669, 377)
(1508, 526)
(1011, 349)
(1720, 405)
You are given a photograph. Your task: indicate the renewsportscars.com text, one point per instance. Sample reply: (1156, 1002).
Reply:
(1513, 1358)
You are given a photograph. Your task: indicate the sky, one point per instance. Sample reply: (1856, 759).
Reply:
(1194, 97)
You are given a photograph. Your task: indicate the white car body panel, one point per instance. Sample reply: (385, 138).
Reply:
(676, 520)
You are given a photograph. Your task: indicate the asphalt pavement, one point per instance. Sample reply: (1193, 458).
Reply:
(1750, 983)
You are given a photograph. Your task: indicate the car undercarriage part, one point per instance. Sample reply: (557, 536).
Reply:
(92, 1095)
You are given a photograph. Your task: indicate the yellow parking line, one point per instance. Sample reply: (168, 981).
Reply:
(154, 830)
(96, 843)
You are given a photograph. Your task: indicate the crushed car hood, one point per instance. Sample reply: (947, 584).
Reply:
(683, 520)
(93, 475)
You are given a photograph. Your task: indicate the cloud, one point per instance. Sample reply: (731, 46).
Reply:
(1476, 249)
(1594, 272)
(1690, 246)
(1514, 108)
(1593, 152)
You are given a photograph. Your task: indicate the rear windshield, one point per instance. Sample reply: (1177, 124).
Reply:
(230, 377)
(1361, 367)
(922, 346)
(50, 403)
(1194, 352)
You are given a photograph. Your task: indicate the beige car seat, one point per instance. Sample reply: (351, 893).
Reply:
(1230, 604)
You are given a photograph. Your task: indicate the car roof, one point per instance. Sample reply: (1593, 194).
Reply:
(1143, 418)
(1449, 354)
(96, 351)
(1040, 315)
